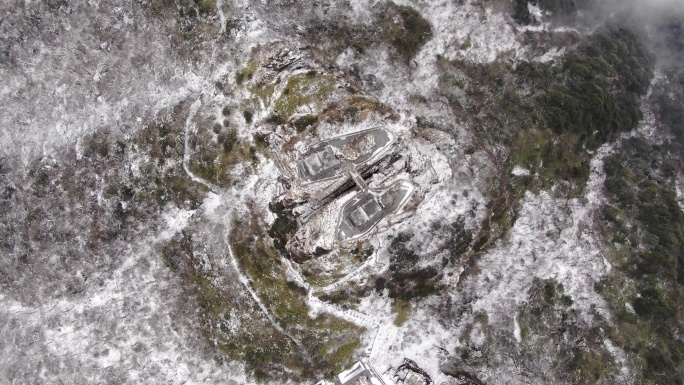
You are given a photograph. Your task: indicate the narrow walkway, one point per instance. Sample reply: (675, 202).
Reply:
(353, 274)
(245, 282)
(360, 183)
(349, 315)
(352, 316)
(376, 373)
(186, 147)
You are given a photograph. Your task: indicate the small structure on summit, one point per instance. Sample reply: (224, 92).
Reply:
(367, 208)
(342, 188)
(324, 160)
(349, 157)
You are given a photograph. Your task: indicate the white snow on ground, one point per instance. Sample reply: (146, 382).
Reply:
(648, 127)
(128, 329)
(470, 32)
(190, 126)
(516, 329)
(317, 306)
(520, 171)
(535, 11)
(132, 327)
(486, 35)
(135, 323)
(489, 33)
(552, 238)
(550, 55)
(679, 190)
(84, 80)
(418, 340)
(176, 219)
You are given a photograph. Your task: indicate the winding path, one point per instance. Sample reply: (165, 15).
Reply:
(187, 152)
(245, 282)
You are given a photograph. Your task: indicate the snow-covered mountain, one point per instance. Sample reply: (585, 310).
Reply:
(162, 221)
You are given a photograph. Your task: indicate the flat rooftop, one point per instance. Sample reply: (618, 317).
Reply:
(325, 159)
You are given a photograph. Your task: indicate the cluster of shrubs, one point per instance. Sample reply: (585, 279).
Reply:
(549, 314)
(405, 279)
(595, 93)
(551, 115)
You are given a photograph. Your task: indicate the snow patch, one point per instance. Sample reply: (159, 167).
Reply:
(516, 329)
(176, 219)
(520, 171)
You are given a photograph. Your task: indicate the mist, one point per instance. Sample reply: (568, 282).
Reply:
(661, 23)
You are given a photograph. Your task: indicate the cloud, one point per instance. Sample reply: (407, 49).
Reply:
(643, 9)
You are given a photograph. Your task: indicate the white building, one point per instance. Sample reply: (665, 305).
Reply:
(361, 373)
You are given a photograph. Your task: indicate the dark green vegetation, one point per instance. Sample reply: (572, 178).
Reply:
(406, 37)
(133, 190)
(282, 227)
(549, 118)
(405, 280)
(602, 82)
(672, 114)
(217, 149)
(521, 12)
(554, 345)
(185, 8)
(305, 121)
(587, 100)
(647, 226)
(283, 99)
(231, 320)
(549, 323)
(302, 89)
(246, 73)
(248, 114)
(402, 309)
(668, 98)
